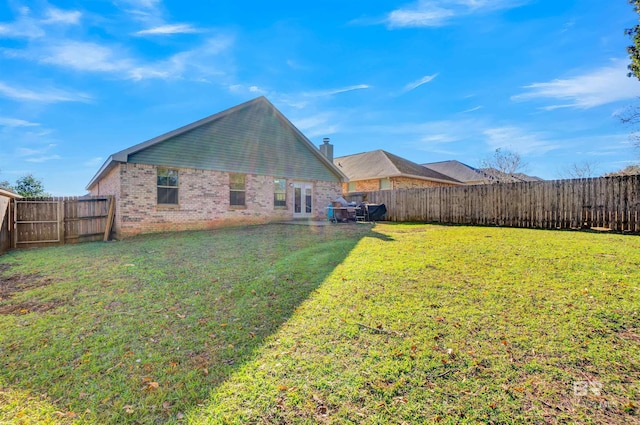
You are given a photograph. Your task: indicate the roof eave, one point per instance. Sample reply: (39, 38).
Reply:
(106, 167)
(10, 194)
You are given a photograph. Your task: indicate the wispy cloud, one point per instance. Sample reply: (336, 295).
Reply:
(115, 59)
(59, 16)
(14, 122)
(170, 29)
(519, 140)
(594, 88)
(38, 155)
(415, 84)
(331, 92)
(435, 13)
(322, 124)
(28, 26)
(85, 56)
(477, 108)
(302, 100)
(43, 95)
(43, 158)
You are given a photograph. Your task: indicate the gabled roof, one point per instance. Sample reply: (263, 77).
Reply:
(251, 138)
(457, 170)
(381, 164)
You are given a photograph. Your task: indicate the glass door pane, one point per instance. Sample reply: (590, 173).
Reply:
(307, 193)
(297, 200)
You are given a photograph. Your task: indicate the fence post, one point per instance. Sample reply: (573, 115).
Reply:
(61, 231)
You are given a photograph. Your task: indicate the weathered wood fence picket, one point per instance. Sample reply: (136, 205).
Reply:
(606, 202)
(57, 221)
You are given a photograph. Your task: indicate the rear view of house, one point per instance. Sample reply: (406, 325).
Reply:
(244, 165)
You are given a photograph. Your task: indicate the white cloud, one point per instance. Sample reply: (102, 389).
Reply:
(598, 87)
(466, 111)
(302, 100)
(43, 158)
(44, 95)
(435, 13)
(322, 124)
(84, 56)
(14, 122)
(331, 92)
(113, 59)
(415, 84)
(59, 16)
(519, 140)
(38, 155)
(27, 26)
(422, 16)
(169, 29)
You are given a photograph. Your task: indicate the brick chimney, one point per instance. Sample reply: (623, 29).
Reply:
(327, 149)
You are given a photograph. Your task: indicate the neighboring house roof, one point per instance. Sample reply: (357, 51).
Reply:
(9, 194)
(381, 164)
(469, 175)
(252, 138)
(497, 176)
(457, 170)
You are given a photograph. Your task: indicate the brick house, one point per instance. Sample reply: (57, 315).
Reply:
(245, 165)
(381, 170)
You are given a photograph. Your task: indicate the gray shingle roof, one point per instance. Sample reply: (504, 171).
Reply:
(457, 170)
(381, 164)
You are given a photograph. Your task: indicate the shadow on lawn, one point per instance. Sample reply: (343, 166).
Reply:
(153, 324)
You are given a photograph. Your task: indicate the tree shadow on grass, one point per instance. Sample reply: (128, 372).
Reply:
(153, 324)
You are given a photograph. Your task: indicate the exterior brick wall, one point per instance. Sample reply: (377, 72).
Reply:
(409, 183)
(373, 185)
(203, 200)
(110, 185)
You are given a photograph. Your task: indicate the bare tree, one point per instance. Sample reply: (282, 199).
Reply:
(629, 170)
(503, 164)
(631, 117)
(580, 170)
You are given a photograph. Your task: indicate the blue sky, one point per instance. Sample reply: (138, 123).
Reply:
(426, 80)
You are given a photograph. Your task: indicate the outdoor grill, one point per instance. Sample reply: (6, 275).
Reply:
(340, 211)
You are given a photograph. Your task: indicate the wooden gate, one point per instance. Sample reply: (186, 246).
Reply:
(56, 221)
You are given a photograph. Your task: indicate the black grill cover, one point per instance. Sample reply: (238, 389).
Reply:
(376, 212)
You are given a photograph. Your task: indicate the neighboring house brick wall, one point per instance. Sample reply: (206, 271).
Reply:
(409, 183)
(203, 200)
(373, 185)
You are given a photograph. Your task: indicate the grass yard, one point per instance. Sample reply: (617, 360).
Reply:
(399, 323)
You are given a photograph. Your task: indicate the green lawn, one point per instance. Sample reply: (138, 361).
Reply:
(339, 324)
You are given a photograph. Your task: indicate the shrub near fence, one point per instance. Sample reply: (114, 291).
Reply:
(606, 202)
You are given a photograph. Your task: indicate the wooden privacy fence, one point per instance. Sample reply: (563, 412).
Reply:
(52, 221)
(606, 202)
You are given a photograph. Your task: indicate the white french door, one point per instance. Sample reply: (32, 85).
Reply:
(302, 199)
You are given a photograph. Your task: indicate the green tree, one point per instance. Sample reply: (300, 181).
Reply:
(4, 184)
(29, 186)
(634, 49)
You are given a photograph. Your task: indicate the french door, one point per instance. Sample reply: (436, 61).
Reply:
(302, 199)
